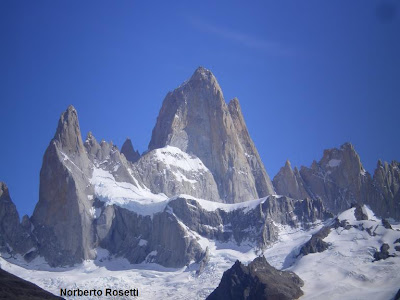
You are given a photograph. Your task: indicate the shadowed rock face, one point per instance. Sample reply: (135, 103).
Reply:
(340, 180)
(259, 280)
(129, 152)
(14, 237)
(387, 182)
(383, 253)
(13, 287)
(196, 119)
(316, 243)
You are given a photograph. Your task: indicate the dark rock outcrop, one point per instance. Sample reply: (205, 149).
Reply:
(196, 119)
(359, 214)
(13, 287)
(129, 152)
(387, 183)
(383, 253)
(14, 237)
(258, 280)
(316, 243)
(397, 296)
(386, 224)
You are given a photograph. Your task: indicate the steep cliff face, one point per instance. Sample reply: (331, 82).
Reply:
(62, 217)
(262, 181)
(196, 119)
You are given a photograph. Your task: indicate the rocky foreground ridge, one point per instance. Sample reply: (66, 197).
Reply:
(201, 177)
(258, 280)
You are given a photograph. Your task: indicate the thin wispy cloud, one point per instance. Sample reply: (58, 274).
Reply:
(244, 39)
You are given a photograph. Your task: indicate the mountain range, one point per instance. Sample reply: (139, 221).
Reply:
(201, 178)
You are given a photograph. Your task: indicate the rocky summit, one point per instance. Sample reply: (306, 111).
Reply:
(196, 119)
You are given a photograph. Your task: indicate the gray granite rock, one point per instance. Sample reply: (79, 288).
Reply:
(340, 181)
(196, 119)
(289, 183)
(62, 219)
(159, 239)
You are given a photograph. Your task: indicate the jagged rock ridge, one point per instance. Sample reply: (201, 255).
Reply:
(340, 180)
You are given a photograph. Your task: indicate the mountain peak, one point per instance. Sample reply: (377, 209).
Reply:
(68, 132)
(288, 165)
(203, 72)
(204, 76)
(196, 119)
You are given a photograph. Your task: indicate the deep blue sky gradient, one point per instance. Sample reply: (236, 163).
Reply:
(309, 75)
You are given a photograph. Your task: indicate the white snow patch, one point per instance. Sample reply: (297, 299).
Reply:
(172, 156)
(212, 206)
(334, 162)
(142, 243)
(126, 195)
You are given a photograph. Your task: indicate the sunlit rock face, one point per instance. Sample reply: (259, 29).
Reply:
(196, 119)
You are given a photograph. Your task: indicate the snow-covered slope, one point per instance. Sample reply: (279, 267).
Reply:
(345, 271)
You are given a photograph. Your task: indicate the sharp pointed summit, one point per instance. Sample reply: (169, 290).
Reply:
(61, 217)
(196, 119)
(129, 152)
(68, 132)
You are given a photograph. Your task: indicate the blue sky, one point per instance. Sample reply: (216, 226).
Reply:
(309, 75)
